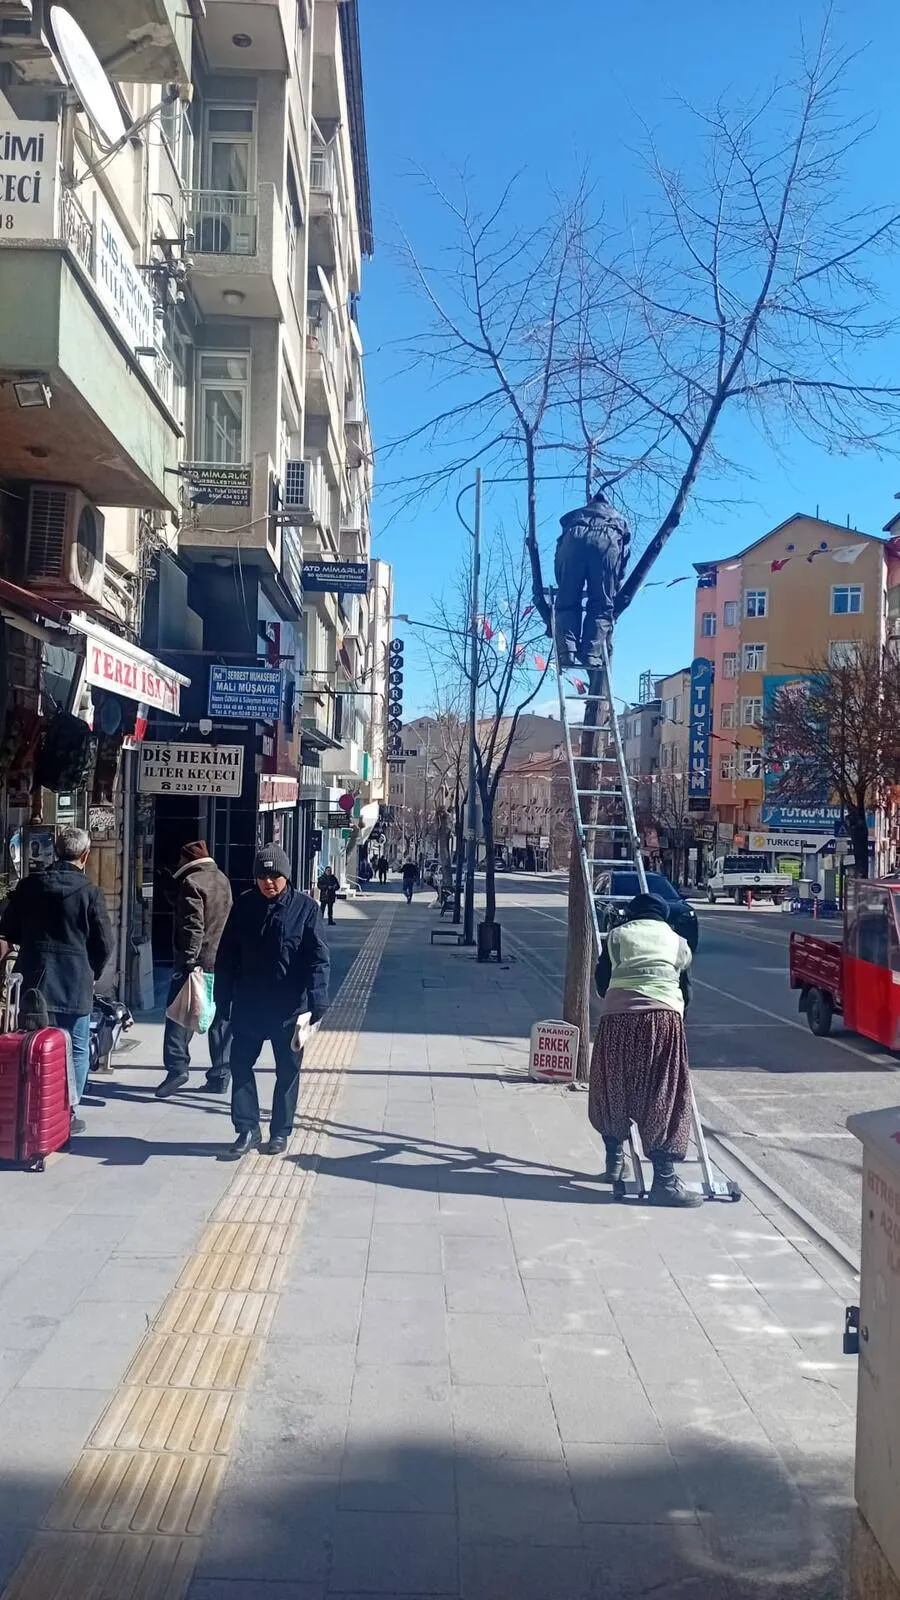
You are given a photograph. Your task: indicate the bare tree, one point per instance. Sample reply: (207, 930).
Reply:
(672, 812)
(746, 289)
(507, 681)
(833, 736)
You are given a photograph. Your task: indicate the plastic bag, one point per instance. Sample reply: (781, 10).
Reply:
(303, 1028)
(194, 1007)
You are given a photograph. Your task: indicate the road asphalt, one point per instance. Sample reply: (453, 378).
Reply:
(761, 1078)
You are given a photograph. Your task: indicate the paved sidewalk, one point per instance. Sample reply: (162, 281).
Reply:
(483, 1379)
(90, 1249)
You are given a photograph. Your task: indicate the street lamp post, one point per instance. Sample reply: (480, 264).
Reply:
(468, 935)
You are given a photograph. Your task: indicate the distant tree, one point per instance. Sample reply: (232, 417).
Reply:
(833, 737)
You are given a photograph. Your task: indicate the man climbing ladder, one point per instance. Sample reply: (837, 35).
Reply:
(591, 556)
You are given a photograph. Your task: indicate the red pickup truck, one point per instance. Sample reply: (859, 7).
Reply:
(857, 976)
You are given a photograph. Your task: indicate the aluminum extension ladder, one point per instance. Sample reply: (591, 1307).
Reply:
(615, 789)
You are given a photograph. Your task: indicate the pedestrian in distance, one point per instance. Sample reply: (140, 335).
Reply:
(382, 869)
(200, 911)
(409, 872)
(328, 886)
(639, 1068)
(272, 968)
(591, 556)
(59, 921)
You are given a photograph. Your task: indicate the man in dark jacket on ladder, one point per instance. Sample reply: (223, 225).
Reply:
(200, 911)
(273, 965)
(591, 556)
(60, 923)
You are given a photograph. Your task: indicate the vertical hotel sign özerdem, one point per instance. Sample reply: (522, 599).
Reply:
(700, 779)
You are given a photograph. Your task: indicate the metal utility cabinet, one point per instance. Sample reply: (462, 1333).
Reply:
(875, 1564)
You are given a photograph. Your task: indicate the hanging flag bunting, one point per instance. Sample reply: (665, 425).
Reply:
(776, 566)
(502, 645)
(847, 552)
(540, 663)
(486, 629)
(579, 686)
(527, 613)
(823, 547)
(520, 654)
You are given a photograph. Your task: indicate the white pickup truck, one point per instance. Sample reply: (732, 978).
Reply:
(733, 876)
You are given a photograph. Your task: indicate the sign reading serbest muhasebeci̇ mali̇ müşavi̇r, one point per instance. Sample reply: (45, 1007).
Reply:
(253, 694)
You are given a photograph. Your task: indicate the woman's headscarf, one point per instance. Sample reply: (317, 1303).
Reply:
(649, 907)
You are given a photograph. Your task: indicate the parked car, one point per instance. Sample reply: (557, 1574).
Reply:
(615, 889)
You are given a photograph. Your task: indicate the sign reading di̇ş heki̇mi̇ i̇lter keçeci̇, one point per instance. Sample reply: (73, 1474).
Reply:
(211, 769)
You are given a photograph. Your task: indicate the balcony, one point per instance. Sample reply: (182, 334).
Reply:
(268, 25)
(109, 428)
(324, 206)
(323, 374)
(210, 532)
(347, 763)
(138, 41)
(239, 251)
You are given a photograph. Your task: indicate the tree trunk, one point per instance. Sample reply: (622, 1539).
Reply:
(490, 866)
(859, 838)
(580, 955)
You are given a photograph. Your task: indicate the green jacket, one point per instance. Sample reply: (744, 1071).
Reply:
(649, 958)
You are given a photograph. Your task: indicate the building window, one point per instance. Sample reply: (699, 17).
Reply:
(726, 768)
(230, 149)
(846, 600)
(730, 614)
(751, 711)
(223, 392)
(754, 658)
(756, 603)
(843, 653)
(726, 715)
(751, 763)
(729, 664)
(708, 624)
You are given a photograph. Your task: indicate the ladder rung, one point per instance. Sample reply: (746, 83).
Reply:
(589, 727)
(607, 827)
(607, 792)
(592, 758)
(609, 861)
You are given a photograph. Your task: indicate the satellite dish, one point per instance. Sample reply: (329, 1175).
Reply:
(86, 76)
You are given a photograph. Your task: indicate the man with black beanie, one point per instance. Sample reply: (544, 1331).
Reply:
(273, 965)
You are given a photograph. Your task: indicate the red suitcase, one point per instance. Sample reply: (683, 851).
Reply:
(35, 1112)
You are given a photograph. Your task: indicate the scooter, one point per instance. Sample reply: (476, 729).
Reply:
(109, 1020)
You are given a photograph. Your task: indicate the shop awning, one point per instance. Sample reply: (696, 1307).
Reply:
(124, 668)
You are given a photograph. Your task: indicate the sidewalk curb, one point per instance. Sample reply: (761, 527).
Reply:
(818, 1229)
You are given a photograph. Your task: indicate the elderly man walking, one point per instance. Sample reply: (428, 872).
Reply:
(60, 923)
(200, 911)
(273, 966)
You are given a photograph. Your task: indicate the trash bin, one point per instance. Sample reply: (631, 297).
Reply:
(875, 1557)
(488, 941)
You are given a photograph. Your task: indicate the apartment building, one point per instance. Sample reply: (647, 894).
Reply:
(671, 783)
(533, 812)
(639, 726)
(183, 422)
(804, 592)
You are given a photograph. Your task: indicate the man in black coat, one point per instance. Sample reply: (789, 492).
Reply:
(60, 923)
(273, 964)
(200, 910)
(591, 555)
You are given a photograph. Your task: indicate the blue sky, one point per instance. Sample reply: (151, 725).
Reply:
(477, 85)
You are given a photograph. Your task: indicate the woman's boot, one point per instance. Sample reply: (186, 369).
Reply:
(615, 1161)
(667, 1189)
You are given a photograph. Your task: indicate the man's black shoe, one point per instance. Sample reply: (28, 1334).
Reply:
(244, 1143)
(213, 1086)
(276, 1146)
(172, 1082)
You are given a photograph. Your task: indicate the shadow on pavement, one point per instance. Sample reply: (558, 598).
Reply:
(454, 1169)
(397, 1513)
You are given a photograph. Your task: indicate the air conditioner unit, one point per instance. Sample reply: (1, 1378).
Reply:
(64, 550)
(301, 487)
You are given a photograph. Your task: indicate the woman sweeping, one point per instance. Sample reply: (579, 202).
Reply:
(639, 1069)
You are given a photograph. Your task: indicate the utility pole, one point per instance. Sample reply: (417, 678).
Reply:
(471, 808)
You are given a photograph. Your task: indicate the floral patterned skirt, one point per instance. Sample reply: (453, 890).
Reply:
(639, 1073)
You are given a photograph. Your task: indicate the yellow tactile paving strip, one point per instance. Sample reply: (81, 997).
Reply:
(129, 1520)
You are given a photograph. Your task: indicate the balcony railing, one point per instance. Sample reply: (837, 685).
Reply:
(222, 223)
(321, 337)
(77, 228)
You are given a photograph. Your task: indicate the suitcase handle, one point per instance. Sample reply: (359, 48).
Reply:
(10, 999)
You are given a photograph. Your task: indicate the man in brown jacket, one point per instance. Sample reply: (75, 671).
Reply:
(201, 907)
